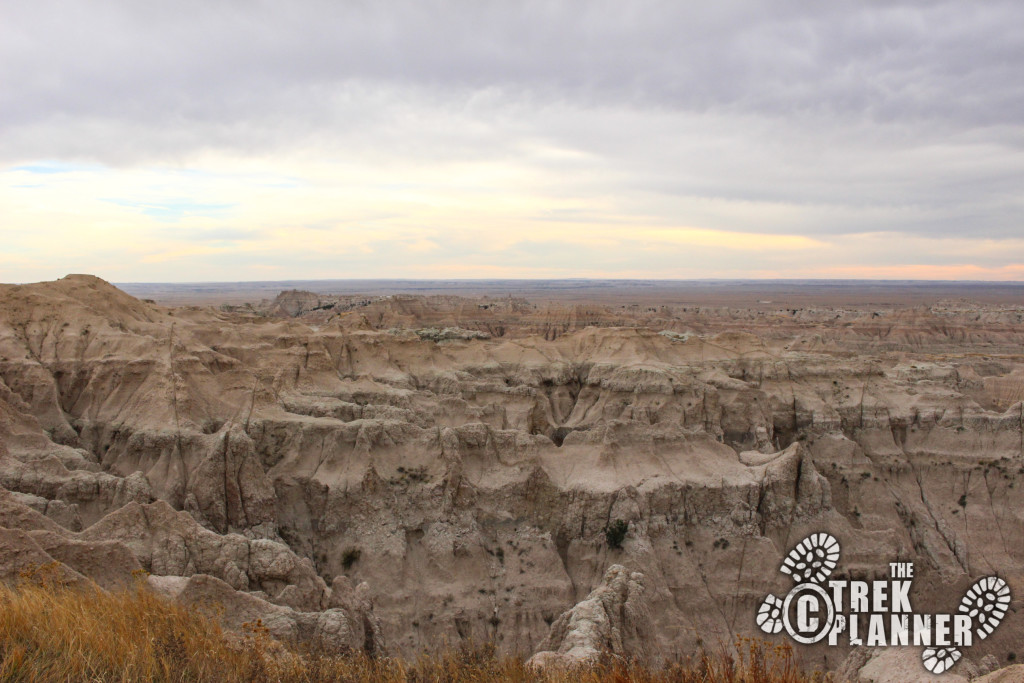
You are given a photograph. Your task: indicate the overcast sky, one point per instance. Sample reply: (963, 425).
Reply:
(185, 141)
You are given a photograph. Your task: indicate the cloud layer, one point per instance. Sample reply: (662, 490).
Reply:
(230, 140)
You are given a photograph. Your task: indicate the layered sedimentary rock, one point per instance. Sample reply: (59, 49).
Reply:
(613, 620)
(469, 479)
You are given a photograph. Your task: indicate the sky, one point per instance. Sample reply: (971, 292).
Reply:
(226, 140)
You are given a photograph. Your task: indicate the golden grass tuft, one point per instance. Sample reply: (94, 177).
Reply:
(49, 632)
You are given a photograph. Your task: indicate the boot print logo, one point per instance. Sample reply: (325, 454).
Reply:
(876, 613)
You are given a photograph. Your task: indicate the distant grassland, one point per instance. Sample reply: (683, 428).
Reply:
(52, 633)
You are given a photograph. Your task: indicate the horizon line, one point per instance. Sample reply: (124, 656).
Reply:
(575, 279)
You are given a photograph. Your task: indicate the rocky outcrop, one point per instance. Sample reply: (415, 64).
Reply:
(1011, 674)
(896, 665)
(449, 334)
(22, 557)
(347, 625)
(903, 665)
(614, 619)
(136, 540)
(295, 302)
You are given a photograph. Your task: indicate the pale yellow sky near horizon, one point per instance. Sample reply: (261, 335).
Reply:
(226, 218)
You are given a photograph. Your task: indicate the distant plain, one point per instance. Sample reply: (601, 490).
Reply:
(739, 293)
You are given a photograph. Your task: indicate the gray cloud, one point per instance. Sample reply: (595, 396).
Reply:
(887, 61)
(869, 115)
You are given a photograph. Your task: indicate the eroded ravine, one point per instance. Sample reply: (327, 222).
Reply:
(470, 481)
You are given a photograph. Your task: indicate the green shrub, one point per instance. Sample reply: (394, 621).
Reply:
(350, 557)
(615, 533)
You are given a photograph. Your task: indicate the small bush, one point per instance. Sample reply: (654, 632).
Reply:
(350, 557)
(615, 533)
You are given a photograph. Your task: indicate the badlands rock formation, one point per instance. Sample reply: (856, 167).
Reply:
(613, 619)
(278, 462)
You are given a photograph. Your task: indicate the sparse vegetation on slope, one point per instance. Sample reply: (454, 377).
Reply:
(615, 533)
(52, 633)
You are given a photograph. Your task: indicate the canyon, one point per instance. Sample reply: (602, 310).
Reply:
(392, 472)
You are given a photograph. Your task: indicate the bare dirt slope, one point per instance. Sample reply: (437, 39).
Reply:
(468, 476)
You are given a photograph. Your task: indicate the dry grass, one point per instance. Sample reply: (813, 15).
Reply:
(52, 633)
